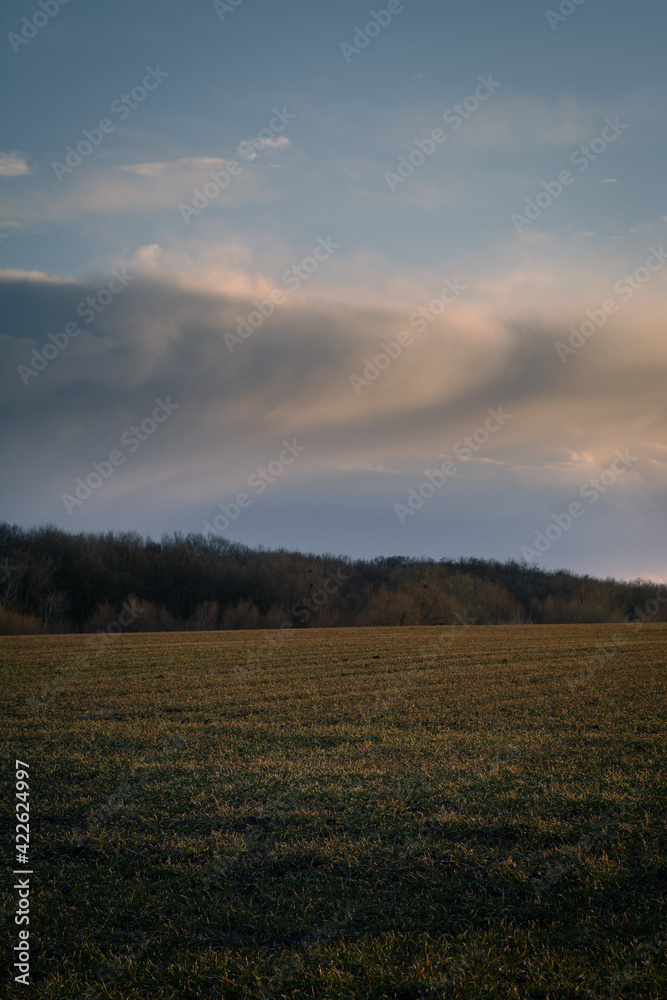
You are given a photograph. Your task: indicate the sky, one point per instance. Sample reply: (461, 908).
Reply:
(372, 280)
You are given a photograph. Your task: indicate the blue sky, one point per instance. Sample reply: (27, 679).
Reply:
(318, 177)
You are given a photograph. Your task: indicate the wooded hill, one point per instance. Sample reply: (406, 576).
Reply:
(52, 581)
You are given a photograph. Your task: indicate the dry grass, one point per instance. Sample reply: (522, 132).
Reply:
(407, 813)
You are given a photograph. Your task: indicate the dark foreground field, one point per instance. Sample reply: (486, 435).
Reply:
(354, 813)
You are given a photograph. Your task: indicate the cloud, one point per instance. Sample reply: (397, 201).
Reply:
(34, 277)
(508, 122)
(185, 165)
(14, 164)
(293, 374)
(164, 336)
(140, 188)
(250, 151)
(281, 140)
(146, 257)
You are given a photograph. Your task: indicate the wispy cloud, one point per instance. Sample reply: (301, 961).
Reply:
(186, 164)
(145, 189)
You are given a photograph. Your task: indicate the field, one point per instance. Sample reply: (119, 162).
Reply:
(463, 812)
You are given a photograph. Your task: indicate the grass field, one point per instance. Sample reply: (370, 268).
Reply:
(345, 813)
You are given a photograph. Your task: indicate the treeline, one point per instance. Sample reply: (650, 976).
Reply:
(52, 581)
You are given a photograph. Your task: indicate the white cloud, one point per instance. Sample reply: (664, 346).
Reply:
(509, 121)
(146, 188)
(281, 140)
(184, 165)
(15, 274)
(248, 151)
(14, 164)
(146, 257)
